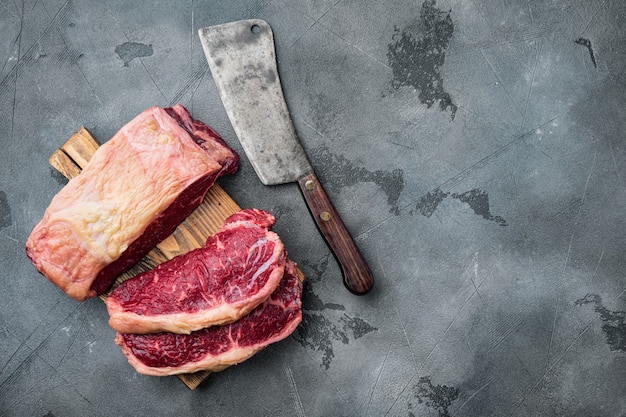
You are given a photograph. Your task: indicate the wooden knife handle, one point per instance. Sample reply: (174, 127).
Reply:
(357, 276)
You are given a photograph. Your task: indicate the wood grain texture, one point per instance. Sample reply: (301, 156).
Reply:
(357, 276)
(217, 205)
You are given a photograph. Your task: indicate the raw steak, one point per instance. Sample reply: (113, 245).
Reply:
(218, 347)
(132, 194)
(236, 270)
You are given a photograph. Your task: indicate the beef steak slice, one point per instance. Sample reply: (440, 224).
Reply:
(236, 270)
(218, 347)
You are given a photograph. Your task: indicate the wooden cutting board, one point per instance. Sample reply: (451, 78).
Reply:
(191, 234)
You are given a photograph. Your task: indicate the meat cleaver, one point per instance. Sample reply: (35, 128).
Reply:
(242, 60)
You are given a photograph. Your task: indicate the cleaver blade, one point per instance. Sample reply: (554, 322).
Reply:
(242, 60)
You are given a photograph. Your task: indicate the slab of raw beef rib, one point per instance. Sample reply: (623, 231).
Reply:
(132, 194)
(218, 347)
(236, 270)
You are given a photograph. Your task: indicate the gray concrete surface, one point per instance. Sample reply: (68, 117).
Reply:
(474, 148)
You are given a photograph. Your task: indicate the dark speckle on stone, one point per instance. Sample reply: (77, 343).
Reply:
(321, 327)
(476, 199)
(314, 303)
(436, 397)
(358, 326)
(429, 203)
(343, 173)
(614, 322)
(587, 44)
(318, 333)
(131, 50)
(310, 300)
(415, 58)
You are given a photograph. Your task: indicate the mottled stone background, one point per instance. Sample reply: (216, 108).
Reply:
(475, 150)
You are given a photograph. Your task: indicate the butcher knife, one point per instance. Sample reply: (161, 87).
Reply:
(242, 60)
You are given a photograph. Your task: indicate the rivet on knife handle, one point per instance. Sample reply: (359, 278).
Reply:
(357, 276)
